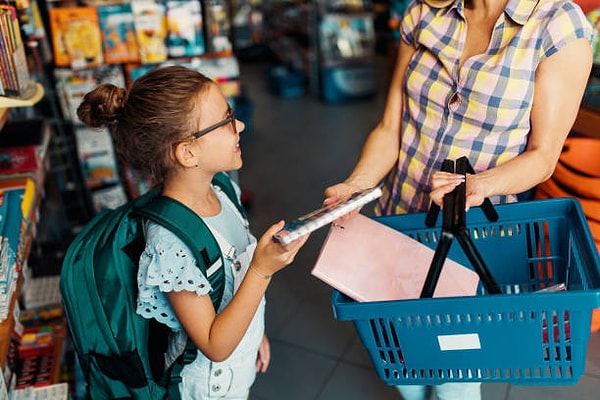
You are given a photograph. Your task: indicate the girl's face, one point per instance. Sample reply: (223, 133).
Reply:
(218, 133)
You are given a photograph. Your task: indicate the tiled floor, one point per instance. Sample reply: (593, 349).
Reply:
(292, 151)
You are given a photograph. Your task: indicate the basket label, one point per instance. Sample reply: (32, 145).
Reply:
(467, 341)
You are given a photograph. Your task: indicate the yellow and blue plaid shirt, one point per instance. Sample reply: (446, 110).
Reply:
(482, 110)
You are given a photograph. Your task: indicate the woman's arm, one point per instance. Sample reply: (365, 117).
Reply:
(380, 151)
(559, 85)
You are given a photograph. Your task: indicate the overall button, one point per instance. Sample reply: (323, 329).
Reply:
(218, 372)
(237, 265)
(216, 388)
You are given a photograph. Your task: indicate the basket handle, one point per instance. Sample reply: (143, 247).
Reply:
(454, 225)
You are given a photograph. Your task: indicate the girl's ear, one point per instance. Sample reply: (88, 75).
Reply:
(184, 154)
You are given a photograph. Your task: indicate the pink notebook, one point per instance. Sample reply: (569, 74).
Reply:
(369, 261)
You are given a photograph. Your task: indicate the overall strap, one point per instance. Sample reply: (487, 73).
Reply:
(223, 181)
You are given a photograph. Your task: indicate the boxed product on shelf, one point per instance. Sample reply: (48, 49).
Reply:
(97, 156)
(217, 26)
(57, 391)
(185, 37)
(150, 29)
(118, 33)
(76, 37)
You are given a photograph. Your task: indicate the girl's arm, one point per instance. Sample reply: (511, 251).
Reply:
(218, 335)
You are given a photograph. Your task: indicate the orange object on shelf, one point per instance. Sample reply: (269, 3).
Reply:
(582, 154)
(595, 320)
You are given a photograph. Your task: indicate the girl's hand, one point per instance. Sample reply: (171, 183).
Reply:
(264, 355)
(269, 256)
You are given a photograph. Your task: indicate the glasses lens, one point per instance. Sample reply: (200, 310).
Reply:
(231, 117)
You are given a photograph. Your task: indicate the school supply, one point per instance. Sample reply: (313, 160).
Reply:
(320, 217)
(369, 261)
(120, 351)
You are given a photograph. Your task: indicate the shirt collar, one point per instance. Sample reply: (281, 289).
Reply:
(520, 10)
(517, 10)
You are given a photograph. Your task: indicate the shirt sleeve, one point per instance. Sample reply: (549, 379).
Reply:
(566, 24)
(166, 265)
(409, 22)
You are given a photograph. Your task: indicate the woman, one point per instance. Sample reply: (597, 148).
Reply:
(497, 81)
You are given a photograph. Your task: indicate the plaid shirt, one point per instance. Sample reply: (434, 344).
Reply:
(482, 110)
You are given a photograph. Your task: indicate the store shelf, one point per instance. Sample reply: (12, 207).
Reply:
(30, 96)
(3, 117)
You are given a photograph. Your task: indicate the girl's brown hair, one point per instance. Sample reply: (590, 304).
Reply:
(146, 122)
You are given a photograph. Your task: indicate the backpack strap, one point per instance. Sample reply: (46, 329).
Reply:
(192, 230)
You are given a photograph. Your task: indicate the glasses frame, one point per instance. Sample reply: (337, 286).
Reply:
(229, 119)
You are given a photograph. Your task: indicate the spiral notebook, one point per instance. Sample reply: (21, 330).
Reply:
(319, 218)
(369, 261)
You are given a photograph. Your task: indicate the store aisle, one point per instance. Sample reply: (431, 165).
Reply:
(293, 149)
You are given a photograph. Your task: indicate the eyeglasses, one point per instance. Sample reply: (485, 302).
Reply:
(229, 119)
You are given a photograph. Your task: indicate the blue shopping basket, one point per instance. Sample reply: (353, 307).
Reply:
(522, 336)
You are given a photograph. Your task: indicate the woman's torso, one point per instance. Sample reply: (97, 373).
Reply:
(480, 108)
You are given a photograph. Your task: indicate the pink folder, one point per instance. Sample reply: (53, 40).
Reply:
(369, 261)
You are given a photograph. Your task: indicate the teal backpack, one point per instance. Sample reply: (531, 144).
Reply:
(121, 352)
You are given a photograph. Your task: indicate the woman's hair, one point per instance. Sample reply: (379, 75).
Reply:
(149, 119)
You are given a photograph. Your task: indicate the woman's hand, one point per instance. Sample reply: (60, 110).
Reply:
(264, 355)
(443, 183)
(339, 193)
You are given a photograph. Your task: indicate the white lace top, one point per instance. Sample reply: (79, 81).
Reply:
(166, 265)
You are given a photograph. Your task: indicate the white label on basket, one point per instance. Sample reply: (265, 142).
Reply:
(467, 341)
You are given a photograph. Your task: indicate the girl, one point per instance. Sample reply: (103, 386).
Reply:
(176, 126)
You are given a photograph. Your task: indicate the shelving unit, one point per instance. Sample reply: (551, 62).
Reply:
(29, 97)
(331, 42)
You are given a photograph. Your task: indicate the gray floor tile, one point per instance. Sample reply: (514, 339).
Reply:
(352, 382)
(294, 374)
